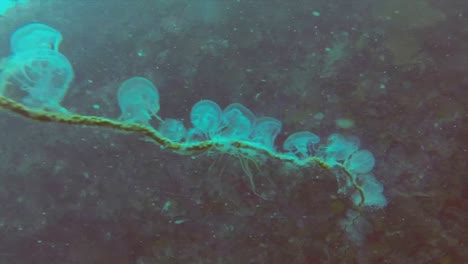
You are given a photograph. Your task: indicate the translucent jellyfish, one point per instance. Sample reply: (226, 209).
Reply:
(301, 143)
(40, 77)
(373, 191)
(339, 147)
(265, 131)
(238, 121)
(206, 117)
(34, 36)
(173, 129)
(138, 100)
(362, 161)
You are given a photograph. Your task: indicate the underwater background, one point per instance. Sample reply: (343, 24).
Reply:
(393, 73)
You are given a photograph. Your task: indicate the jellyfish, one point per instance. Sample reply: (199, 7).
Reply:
(173, 129)
(300, 143)
(238, 121)
(340, 148)
(41, 78)
(265, 131)
(206, 118)
(35, 36)
(138, 100)
(361, 161)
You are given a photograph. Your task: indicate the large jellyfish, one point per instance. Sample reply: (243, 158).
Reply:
(39, 77)
(34, 36)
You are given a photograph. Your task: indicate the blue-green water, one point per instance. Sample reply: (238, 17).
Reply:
(383, 84)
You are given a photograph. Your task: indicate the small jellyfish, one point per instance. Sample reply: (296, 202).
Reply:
(238, 121)
(173, 129)
(300, 143)
(206, 117)
(265, 131)
(373, 191)
(35, 36)
(138, 100)
(40, 77)
(361, 161)
(339, 147)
